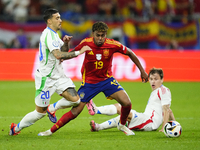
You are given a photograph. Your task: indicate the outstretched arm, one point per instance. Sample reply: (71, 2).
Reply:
(134, 58)
(68, 55)
(167, 116)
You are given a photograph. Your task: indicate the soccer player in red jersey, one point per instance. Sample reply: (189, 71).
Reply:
(97, 77)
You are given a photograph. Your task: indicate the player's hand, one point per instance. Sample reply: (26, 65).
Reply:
(144, 77)
(67, 38)
(61, 60)
(162, 130)
(85, 48)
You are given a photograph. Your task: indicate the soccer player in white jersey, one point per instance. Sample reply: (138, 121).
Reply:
(50, 77)
(157, 110)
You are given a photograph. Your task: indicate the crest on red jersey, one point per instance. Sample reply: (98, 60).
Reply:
(106, 52)
(98, 56)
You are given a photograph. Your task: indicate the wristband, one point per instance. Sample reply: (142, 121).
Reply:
(77, 53)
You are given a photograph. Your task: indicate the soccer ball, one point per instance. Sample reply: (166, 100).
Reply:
(172, 129)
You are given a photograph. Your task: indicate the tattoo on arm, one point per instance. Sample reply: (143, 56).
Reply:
(63, 55)
(65, 48)
(67, 55)
(72, 91)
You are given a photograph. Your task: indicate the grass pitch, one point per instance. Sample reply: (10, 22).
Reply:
(17, 99)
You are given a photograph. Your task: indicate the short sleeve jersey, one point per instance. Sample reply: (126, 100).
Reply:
(159, 97)
(49, 65)
(98, 62)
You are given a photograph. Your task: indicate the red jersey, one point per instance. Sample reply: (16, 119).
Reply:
(98, 62)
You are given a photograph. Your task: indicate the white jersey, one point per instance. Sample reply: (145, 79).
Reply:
(158, 98)
(49, 65)
(152, 117)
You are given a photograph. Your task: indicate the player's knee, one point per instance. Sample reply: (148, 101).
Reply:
(118, 107)
(76, 103)
(78, 109)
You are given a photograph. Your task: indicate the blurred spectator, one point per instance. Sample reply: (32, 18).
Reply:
(2, 45)
(183, 10)
(161, 7)
(91, 6)
(173, 45)
(45, 4)
(34, 9)
(107, 7)
(21, 40)
(71, 12)
(18, 9)
(196, 4)
(14, 43)
(1, 7)
(138, 8)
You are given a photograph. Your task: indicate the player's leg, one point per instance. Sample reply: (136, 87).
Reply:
(114, 91)
(42, 98)
(29, 119)
(86, 94)
(67, 117)
(125, 102)
(65, 88)
(104, 110)
(112, 123)
(141, 121)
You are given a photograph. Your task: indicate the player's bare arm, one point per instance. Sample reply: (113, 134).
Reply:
(66, 40)
(68, 55)
(166, 112)
(134, 58)
(171, 115)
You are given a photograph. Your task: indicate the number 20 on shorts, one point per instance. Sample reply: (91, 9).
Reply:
(45, 95)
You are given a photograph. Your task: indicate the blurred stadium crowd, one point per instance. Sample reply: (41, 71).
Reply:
(111, 11)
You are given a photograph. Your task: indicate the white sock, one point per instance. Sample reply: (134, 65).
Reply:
(112, 123)
(107, 110)
(29, 120)
(61, 104)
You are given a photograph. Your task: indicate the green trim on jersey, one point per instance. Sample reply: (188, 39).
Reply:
(49, 75)
(47, 50)
(41, 86)
(52, 35)
(47, 55)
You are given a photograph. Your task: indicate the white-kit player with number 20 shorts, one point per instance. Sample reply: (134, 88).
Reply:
(50, 77)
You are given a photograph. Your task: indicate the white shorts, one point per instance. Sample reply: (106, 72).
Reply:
(46, 87)
(140, 121)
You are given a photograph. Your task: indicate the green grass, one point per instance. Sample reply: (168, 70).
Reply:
(17, 99)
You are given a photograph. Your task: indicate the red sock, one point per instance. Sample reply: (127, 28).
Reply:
(67, 117)
(125, 110)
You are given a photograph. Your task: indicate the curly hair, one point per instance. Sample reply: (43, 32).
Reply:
(156, 70)
(99, 26)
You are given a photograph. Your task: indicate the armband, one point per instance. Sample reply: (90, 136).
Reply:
(77, 53)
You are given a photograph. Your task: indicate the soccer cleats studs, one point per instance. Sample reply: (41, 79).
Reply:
(51, 115)
(91, 107)
(94, 126)
(124, 129)
(45, 133)
(12, 129)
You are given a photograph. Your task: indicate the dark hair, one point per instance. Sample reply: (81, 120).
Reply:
(99, 26)
(48, 13)
(156, 70)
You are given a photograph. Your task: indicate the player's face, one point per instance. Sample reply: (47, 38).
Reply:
(155, 81)
(99, 37)
(55, 22)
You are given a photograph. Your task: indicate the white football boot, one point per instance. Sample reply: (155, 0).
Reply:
(45, 133)
(124, 129)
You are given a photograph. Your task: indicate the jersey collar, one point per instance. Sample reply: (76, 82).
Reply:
(51, 29)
